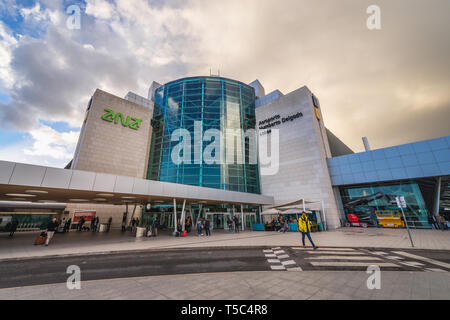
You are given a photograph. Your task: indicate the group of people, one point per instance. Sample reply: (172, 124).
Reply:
(203, 224)
(233, 224)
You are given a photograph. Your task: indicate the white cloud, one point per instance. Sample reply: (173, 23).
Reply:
(51, 143)
(99, 9)
(7, 44)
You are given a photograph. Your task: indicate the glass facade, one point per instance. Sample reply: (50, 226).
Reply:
(375, 204)
(198, 105)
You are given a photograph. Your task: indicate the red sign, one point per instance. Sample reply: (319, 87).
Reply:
(88, 215)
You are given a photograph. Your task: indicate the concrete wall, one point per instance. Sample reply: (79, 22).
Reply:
(303, 149)
(107, 147)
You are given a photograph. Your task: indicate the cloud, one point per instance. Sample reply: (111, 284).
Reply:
(43, 146)
(391, 85)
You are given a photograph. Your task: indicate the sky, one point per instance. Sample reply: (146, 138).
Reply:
(391, 84)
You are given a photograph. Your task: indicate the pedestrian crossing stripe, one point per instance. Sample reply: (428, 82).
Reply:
(281, 267)
(344, 258)
(337, 252)
(350, 264)
(326, 249)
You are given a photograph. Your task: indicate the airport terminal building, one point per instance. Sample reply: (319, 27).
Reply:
(217, 147)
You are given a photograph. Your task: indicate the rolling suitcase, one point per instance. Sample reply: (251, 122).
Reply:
(41, 239)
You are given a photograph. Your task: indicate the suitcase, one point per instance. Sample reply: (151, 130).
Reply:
(41, 239)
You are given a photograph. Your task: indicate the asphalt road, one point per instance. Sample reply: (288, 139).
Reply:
(36, 271)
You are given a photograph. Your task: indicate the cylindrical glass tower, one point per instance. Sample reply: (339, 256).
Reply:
(202, 107)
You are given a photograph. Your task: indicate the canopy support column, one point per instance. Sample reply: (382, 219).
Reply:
(174, 215)
(183, 214)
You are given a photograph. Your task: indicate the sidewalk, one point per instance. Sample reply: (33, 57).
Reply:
(263, 285)
(21, 246)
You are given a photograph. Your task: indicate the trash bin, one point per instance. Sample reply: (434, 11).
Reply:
(103, 227)
(140, 232)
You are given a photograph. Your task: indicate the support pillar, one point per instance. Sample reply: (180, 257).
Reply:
(183, 213)
(174, 215)
(438, 197)
(242, 217)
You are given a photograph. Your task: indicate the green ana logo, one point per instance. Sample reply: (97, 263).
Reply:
(129, 122)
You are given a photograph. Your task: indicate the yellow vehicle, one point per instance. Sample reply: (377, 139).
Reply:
(390, 219)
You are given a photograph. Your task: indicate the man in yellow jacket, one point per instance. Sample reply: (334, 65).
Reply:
(304, 227)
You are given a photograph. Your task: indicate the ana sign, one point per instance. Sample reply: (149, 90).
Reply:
(111, 116)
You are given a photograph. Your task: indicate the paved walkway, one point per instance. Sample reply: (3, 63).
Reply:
(21, 246)
(262, 285)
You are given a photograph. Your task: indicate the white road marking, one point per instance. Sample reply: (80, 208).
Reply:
(412, 263)
(277, 267)
(351, 264)
(295, 269)
(432, 261)
(270, 255)
(337, 252)
(268, 251)
(273, 260)
(435, 270)
(277, 248)
(288, 263)
(326, 249)
(379, 253)
(284, 256)
(394, 258)
(279, 252)
(343, 258)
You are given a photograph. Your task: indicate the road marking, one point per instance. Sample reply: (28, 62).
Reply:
(343, 258)
(432, 261)
(295, 269)
(435, 270)
(288, 263)
(379, 253)
(273, 260)
(327, 249)
(277, 264)
(394, 258)
(277, 267)
(351, 264)
(337, 252)
(412, 263)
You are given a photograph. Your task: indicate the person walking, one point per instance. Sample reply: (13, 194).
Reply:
(230, 225)
(81, 223)
(207, 231)
(304, 227)
(67, 225)
(13, 227)
(109, 224)
(155, 227)
(94, 224)
(236, 224)
(51, 228)
(199, 227)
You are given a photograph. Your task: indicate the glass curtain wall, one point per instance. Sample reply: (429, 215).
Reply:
(376, 205)
(198, 105)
